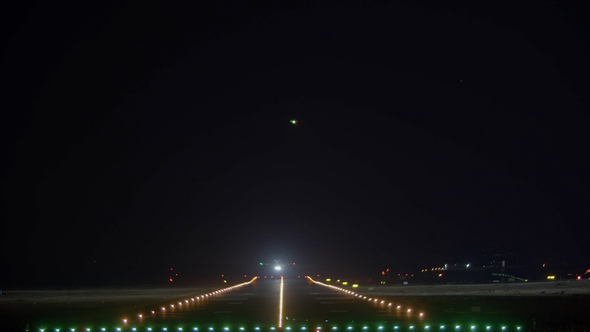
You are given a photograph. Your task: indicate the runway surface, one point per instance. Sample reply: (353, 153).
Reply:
(256, 306)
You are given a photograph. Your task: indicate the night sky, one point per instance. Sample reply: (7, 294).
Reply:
(145, 135)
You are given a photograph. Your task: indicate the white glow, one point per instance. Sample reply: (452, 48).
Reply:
(278, 268)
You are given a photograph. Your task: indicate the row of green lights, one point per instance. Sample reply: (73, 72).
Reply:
(303, 328)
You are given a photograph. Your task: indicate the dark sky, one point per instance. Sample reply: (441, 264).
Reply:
(156, 134)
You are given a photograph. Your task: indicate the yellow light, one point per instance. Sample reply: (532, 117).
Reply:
(355, 285)
(550, 277)
(345, 283)
(328, 280)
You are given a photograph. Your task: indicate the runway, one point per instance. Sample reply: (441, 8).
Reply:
(290, 304)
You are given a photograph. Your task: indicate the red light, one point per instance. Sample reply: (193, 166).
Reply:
(298, 276)
(222, 276)
(271, 277)
(170, 279)
(579, 277)
(318, 275)
(170, 269)
(293, 263)
(245, 276)
(382, 273)
(264, 277)
(177, 274)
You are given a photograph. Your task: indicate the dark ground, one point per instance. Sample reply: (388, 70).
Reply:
(305, 304)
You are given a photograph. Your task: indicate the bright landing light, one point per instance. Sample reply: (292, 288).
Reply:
(277, 268)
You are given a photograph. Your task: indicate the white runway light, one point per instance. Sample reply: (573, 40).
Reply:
(281, 303)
